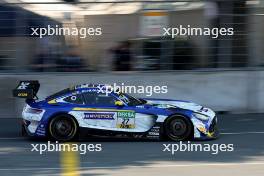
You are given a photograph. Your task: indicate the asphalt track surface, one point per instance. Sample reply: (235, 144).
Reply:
(126, 157)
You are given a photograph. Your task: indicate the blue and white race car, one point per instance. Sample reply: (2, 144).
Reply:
(87, 110)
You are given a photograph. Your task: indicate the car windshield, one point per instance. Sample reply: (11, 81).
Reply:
(62, 92)
(129, 100)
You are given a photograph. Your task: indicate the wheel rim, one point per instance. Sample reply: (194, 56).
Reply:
(63, 129)
(178, 129)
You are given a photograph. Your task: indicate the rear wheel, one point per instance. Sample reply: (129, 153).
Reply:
(178, 128)
(63, 128)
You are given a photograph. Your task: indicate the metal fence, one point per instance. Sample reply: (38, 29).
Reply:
(129, 35)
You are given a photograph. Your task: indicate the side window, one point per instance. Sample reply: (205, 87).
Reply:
(105, 100)
(99, 99)
(90, 98)
(74, 99)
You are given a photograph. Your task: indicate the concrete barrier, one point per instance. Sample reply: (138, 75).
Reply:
(235, 91)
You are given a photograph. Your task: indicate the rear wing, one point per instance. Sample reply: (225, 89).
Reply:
(27, 89)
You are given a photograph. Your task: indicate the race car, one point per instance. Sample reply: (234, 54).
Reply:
(91, 110)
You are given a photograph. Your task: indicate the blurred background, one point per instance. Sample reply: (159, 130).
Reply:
(225, 73)
(128, 25)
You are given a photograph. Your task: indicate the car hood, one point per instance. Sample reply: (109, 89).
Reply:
(168, 104)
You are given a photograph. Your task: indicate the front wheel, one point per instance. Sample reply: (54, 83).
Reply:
(63, 128)
(178, 128)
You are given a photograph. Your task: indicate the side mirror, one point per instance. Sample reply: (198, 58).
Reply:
(119, 103)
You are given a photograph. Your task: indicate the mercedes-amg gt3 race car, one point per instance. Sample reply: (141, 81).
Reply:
(85, 110)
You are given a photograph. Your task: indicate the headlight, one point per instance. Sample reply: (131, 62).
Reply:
(201, 116)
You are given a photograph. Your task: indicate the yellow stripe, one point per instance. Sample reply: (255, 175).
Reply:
(52, 101)
(98, 109)
(155, 14)
(70, 162)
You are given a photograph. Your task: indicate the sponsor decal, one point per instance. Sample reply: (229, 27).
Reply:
(89, 90)
(22, 94)
(140, 106)
(154, 133)
(102, 116)
(126, 119)
(23, 85)
(126, 114)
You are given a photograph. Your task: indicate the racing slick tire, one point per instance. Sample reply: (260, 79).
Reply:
(178, 128)
(63, 128)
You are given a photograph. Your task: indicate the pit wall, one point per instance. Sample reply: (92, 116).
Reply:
(231, 91)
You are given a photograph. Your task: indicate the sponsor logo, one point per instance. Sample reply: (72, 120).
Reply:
(126, 114)
(102, 116)
(22, 94)
(23, 85)
(154, 133)
(88, 90)
(126, 119)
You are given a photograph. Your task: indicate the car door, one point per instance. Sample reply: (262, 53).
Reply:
(99, 111)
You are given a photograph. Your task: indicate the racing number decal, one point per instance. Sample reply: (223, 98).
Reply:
(126, 119)
(124, 124)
